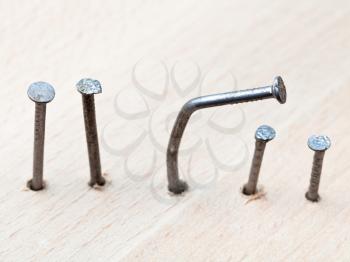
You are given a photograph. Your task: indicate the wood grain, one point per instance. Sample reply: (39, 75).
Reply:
(133, 218)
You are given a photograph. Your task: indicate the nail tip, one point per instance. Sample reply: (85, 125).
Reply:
(311, 199)
(179, 189)
(30, 186)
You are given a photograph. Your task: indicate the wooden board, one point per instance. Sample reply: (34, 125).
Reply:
(206, 47)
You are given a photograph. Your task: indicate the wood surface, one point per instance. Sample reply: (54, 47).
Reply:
(234, 44)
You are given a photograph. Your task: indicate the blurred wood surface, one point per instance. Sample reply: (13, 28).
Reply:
(205, 46)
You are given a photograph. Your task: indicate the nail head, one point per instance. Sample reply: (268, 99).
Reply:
(319, 143)
(41, 92)
(265, 133)
(279, 90)
(88, 86)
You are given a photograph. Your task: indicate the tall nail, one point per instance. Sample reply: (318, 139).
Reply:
(319, 144)
(263, 135)
(88, 88)
(41, 93)
(277, 90)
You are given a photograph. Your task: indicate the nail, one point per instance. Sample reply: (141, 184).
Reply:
(263, 135)
(277, 90)
(88, 88)
(41, 93)
(319, 144)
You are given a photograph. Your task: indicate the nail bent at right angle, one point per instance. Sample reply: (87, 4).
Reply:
(319, 144)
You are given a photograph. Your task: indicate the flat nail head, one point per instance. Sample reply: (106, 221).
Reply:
(41, 92)
(88, 86)
(319, 143)
(279, 90)
(265, 133)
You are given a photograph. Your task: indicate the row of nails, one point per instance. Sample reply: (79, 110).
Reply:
(42, 93)
(264, 134)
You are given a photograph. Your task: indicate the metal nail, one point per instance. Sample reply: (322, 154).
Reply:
(41, 93)
(88, 88)
(263, 135)
(319, 144)
(277, 90)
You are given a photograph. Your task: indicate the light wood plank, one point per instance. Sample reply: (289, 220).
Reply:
(306, 42)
